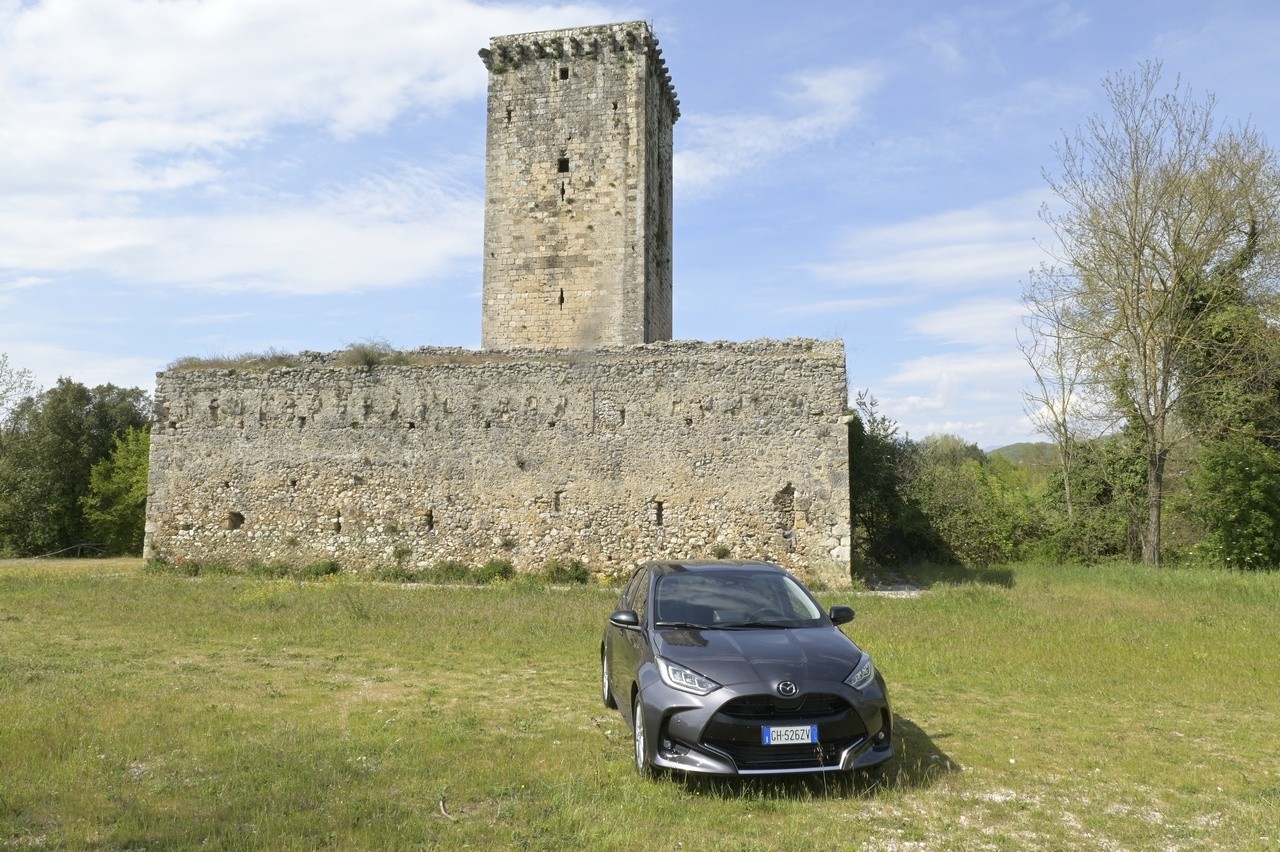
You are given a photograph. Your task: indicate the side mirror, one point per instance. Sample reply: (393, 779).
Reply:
(626, 619)
(841, 614)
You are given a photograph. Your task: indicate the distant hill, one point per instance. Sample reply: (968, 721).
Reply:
(1028, 453)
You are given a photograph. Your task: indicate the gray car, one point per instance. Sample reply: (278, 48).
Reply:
(733, 668)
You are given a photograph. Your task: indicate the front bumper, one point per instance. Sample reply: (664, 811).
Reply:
(720, 734)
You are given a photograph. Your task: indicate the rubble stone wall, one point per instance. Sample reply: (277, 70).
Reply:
(613, 457)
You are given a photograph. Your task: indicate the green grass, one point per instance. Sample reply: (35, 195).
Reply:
(1058, 707)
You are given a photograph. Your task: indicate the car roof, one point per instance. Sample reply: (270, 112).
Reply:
(745, 566)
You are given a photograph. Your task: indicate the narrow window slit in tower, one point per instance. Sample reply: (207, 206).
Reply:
(431, 520)
(508, 116)
(562, 300)
(563, 165)
(564, 73)
(656, 512)
(561, 190)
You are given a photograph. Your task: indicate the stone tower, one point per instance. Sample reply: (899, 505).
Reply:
(577, 245)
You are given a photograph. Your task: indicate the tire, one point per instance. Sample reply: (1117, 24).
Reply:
(606, 694)
(640, 736)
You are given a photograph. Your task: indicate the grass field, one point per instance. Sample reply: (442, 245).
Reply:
(1053, 707)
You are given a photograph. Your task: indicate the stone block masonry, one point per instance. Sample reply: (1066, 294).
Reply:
(578, 189)
(612, 456)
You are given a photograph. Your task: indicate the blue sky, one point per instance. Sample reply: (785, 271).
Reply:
(209, 178)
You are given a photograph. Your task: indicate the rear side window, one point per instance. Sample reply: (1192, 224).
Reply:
(629, 591)
(638, 597)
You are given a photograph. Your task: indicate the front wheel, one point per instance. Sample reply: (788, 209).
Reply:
(641, 737)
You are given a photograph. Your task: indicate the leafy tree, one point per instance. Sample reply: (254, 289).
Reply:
(1109, 476)
(50, 445)
(1237, 496)
(888, 529)
(1165, 216)
(978, 518)
(1240, 347)
(116, 505)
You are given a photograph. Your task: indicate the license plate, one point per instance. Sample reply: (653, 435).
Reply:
(790, 735)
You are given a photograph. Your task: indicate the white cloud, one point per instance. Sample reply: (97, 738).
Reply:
(943, 37)
(97, 86)
(398, 227)
(49, 362)
(26, 282)
(834, 306)
(963, 393)
(994, 368)
(979, 322)
(114, 114)
(721, 147)
(993, 242)
(1063, 20)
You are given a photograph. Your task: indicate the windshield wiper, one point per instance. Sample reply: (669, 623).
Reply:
(682, 625)
(752, 625)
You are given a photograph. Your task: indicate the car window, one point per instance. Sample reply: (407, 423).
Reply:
(798, 602)
(727, 597)
(640, 592)
(629, 591)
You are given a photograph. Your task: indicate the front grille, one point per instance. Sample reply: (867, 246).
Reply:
(735, 730)
(768, 710)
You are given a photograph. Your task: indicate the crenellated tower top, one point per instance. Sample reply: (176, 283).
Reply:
(507, 52)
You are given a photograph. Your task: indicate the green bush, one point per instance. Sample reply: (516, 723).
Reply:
(273, 570)
(495, 570)
(398, 574)
(157, 566)
(372, 353)
(572, 572)
(323, 568)
(449, 571)
(1235, 493)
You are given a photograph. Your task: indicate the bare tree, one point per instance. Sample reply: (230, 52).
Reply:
(15, 384)
(1053, 404)
(1163, 213)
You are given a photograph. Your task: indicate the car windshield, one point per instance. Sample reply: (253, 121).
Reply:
(729, 600)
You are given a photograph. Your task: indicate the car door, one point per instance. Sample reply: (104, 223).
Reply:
(627, 645)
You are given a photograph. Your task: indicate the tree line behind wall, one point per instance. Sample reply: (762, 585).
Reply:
(944, 500)
(73, 465)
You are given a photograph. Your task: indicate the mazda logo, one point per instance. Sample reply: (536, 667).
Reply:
(787, 689)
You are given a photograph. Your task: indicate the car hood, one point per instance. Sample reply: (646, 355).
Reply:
(732, 657)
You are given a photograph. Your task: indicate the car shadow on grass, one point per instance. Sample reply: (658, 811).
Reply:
(918, 763)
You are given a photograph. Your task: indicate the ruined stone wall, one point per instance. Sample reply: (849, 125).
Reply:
(613, 457)
(578, 189)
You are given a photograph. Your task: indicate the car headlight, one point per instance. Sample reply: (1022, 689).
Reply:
(685, 680)
(863, 673)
